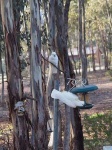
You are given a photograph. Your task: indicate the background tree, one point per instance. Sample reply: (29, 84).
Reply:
(2, 70)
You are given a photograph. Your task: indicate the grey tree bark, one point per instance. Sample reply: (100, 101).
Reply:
(61, 41)
(15, 92)
(51, 27)
(84, 56)
(39, 118)
(2, 74)
(79, 145)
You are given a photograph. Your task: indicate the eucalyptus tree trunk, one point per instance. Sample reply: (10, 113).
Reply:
(79, 145)
(93, 58)
(16, 11)
(51, 25)
(53, 82)
(110, 29)
(38, 119)
(105, 50)
(103, 40)
(61, 41)
(26, 30)
(104, 45)
(109, 15)
(74, 62)
(99, 59)
(1, 63)
(20, 130)
(2, 75)
(84, 57)
(66, 65)
(92, 50)
(105, 57)
(82, 48)
(45, 12)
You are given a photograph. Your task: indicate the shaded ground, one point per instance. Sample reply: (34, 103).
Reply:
(102, 100)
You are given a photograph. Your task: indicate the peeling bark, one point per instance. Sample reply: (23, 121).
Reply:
(20, 132)
(38, 118)
(52, 25)
(62, 37)
(79, 145)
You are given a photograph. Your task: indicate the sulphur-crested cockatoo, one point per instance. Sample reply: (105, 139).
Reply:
(68, 98)
(53, 58)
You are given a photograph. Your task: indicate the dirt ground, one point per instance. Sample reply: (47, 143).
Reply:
(101, 98)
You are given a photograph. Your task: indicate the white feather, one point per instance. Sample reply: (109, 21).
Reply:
(53, 58)
(68, 98)
(19, 104)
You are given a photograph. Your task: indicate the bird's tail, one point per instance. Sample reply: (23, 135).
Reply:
(55, 94)
(79, 103)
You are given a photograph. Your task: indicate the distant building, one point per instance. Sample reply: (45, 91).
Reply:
(97, 53)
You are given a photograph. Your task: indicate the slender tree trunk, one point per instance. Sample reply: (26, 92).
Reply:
(39, 120)
(52, 25)
(84, 57)
(67, 65)
(2, 74)
(45, 12)
(61, 41)
(78, 127)
(62, 37)
(99, 59)
(26, 31)
(93, 58)
(74, 62)
(16, 12)
(105, 58)
(82, 49)
(50, 82)
(103, 40)
(20, 131)
(109, 14)
(110, 29)
(105, 51)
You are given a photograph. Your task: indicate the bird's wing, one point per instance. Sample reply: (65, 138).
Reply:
(67, 98)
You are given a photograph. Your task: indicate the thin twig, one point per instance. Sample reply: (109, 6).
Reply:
(28, 97)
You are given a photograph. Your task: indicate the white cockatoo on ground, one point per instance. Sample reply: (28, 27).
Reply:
(68, 98)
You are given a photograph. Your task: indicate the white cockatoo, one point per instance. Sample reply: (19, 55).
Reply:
(68, 98)
(19, 106)
(53, 58)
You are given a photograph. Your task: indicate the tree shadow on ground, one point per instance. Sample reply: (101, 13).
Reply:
(97, 130)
